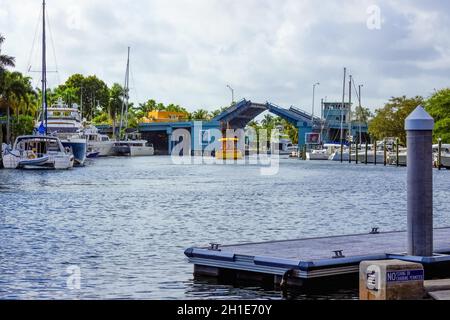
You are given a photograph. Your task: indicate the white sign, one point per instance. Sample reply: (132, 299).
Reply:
(373, 278)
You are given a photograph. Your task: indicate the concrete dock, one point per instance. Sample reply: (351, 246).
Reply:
(315, 257)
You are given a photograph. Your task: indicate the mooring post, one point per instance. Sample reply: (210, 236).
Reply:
(385, 153)
(367, 150)
(375, 153)
(397, 143)
(439, 159)
(350, 153)
(356, 154)
(419, 127)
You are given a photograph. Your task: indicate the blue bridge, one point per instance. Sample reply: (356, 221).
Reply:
(238, 117)
(242, 113)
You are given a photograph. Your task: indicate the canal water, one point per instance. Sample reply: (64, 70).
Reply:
(122, 224)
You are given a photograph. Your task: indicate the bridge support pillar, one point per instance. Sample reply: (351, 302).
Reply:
(303, 129)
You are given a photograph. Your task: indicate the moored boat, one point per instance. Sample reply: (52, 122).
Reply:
(65, 123)
(317, 155)
(37, 152)
(133, 146)
(97, 142)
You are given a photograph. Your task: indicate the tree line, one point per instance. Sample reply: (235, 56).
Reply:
(389, 121)
(20, 105)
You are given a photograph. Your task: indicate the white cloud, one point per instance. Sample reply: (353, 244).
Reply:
(187, 51)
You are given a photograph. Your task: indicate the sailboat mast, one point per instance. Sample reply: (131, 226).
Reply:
(124, 111)
(127, 88)
(342, 107)
(44, 70)
(350, 110)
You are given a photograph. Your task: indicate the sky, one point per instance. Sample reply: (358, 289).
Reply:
(187, 51)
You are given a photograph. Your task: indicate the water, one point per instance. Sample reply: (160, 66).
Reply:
(125, 222)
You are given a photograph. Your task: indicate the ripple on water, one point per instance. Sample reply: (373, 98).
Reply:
(125, 222)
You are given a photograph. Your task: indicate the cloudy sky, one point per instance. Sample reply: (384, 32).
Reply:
(187, 51)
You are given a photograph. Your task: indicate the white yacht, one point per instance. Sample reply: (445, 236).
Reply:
(133, 146)
(318, 154)
(37, 152)
(286, 147)
(336, 155)
(99, 144)
(65, 123)
(402, 157)
(445, 155)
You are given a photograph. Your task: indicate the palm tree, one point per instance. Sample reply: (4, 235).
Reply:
(200, 114)
(14, 90)
(268, 121)
(5, 60)
(219, 111)
(116, 95)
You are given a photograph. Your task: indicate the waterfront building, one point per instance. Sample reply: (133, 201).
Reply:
(334, 116)
(165, 116)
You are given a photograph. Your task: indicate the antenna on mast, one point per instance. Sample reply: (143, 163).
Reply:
(125, 101)
(44, 70)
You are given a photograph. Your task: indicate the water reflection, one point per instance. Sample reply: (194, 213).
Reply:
(125, 222)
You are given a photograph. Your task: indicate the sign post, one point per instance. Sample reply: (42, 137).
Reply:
(391, 280)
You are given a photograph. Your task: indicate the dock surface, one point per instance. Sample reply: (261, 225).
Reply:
(315, 257)
(323, 248)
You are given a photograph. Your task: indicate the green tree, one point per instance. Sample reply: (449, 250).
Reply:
(389, 121)
(438, 106)
(116, 95)
(5, 60)
(15, 90)
(200, 115)
(362, 115)
(219, 111)
(94, 91)
(22, 125)
(147, 106)
(268, 122)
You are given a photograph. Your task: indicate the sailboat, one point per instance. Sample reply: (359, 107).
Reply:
(62, 120)
(133, 145)
(39, 151)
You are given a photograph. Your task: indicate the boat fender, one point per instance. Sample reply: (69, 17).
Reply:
(284, 281)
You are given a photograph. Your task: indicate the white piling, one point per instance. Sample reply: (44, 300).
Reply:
(419, 126)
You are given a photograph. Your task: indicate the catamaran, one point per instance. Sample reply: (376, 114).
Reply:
(133, 146)
(37, 152)
(59, 120)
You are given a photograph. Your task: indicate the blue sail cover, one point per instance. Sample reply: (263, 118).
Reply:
(41, 129)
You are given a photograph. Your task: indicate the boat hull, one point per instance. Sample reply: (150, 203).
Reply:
(34, 162)
(56, 162)
(104, 149)
(78, 148)
(337, 156)
(121, 150)
(371, 157)
(317, 156)
(141, 151)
